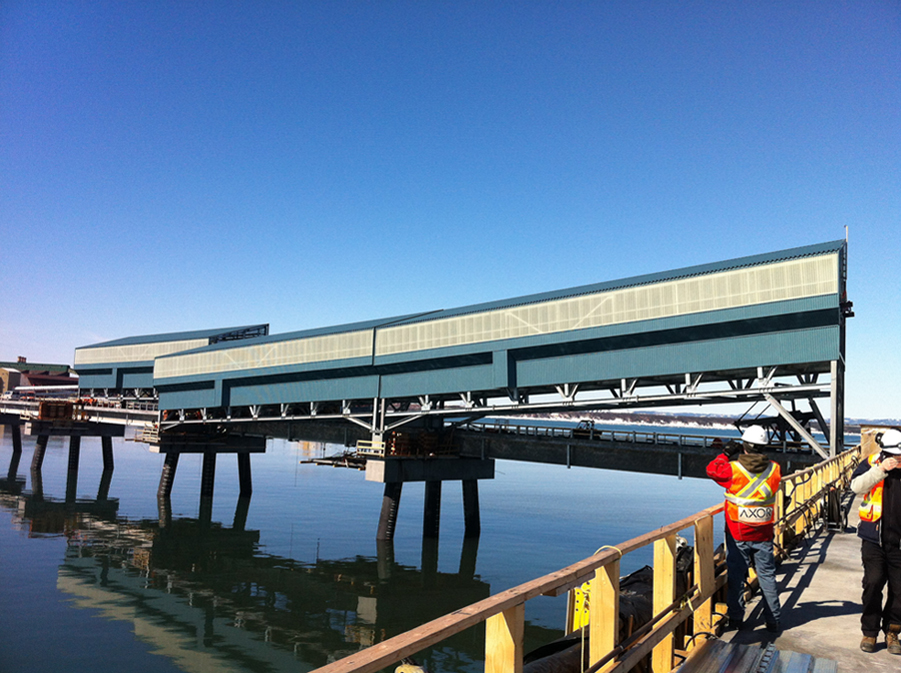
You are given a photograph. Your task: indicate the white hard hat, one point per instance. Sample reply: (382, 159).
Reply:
(890, 440)
(755, 435)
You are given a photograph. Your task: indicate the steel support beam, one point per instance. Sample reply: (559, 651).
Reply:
(797, 426)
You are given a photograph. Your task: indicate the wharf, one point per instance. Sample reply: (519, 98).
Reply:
(819, 587)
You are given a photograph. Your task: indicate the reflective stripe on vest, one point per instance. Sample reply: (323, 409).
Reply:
(871, 507)
(754, 501)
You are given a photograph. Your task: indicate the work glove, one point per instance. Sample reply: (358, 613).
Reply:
(732, 449)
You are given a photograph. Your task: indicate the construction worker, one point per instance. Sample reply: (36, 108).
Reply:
(879, 477)
(751, 481)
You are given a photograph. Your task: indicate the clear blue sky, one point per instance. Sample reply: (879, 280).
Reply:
(169, 166)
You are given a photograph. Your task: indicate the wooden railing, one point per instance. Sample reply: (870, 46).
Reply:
(800, 506)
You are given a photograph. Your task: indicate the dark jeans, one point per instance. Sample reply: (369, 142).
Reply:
(739, 557)
(880, 567)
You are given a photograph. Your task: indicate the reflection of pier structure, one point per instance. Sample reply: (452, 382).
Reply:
(200, 592)
(75, 431)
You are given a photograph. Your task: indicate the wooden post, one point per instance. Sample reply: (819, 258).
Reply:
(664, 595)
(603, 611)
(503, 640)
(705, 576)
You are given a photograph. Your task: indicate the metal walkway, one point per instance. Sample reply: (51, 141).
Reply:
(717, 656)
(820, 591)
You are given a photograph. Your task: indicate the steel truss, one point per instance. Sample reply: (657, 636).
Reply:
(773, 386)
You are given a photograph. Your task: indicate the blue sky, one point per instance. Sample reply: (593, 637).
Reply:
(170, 166)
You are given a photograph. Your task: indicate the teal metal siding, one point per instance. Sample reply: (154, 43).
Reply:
(814, 345)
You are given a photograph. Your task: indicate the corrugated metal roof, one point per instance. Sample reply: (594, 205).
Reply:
(173, 336)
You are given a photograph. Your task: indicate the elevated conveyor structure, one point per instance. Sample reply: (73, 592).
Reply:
(125, 366)
(766, 328)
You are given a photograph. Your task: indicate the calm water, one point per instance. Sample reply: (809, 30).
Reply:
(295, 579)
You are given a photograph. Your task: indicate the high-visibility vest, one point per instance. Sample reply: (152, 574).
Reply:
(871, 507)
(751, 498)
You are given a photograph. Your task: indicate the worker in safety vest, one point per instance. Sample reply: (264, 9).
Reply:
(879, 477)
(751, 481)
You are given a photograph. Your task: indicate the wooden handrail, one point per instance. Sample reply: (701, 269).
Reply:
(503, 612)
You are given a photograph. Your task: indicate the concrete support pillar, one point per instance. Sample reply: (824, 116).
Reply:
(431, 516)
(170, 464)
(244, 475)
(40, 448)
(72, 472)
(208, 475)
(471, 519)
(388, 517)
(106, 444)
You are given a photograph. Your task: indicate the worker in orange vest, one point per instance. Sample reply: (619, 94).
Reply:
(751, 481)
(879, 477)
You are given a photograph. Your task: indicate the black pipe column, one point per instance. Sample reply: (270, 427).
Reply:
(207, 482)
(17, 438)
(170, 465)
(17, 453)
(37, 461)
(72, 473)
(106, 478)
(390, 504)
(431, 515)
(244, 475)
(471, 520)
(40, 448)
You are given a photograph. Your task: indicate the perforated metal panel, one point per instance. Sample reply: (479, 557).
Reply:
(792, 279)
(134, 352)
(271, 354)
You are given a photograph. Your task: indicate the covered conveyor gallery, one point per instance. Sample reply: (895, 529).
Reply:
(126, 365)
(762, 328)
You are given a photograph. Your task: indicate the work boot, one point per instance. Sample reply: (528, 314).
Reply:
(891, 640)
(868, 643)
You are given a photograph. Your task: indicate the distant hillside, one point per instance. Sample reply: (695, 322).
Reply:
(695, 420)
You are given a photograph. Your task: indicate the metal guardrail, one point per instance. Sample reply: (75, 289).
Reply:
(680, 439)
(601, 434)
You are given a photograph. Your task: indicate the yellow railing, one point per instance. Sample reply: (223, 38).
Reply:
(609, 652)
(806, 494)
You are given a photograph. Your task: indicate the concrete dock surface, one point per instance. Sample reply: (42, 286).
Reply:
(820, 588)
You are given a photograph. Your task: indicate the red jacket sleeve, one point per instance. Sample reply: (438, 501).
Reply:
(720, 470)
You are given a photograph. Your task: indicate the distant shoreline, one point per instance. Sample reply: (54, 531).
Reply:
(678, 420)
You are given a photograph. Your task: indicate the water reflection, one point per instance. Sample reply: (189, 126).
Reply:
(204, 595)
